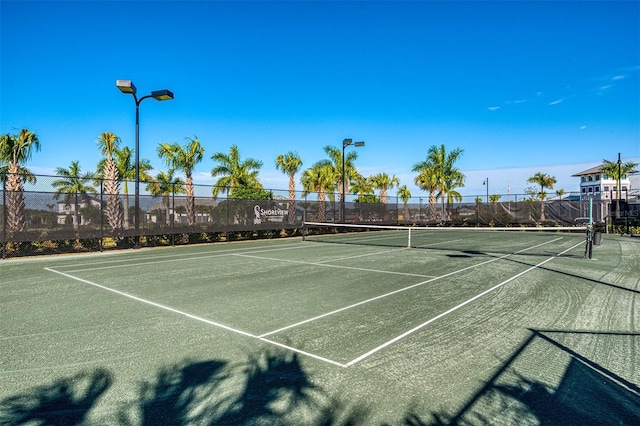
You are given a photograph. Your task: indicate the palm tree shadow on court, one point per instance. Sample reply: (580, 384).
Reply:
(271, 387)
(175, 391)
(585, 392)
(65, 402)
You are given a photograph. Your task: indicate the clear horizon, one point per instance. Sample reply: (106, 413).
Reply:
(521, 87)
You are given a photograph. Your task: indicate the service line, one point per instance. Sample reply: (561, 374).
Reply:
(455, 308)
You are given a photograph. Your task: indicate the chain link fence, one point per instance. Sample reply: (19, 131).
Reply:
(41, 219)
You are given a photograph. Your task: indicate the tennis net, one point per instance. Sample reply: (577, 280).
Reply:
(533, 240)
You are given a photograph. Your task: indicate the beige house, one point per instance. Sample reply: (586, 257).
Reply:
(67, 211)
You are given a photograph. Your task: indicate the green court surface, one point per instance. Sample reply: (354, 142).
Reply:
(471, 328)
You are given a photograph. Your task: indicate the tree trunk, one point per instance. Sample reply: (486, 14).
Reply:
(190, 202)
(321, 207)
(292, 199)
(112, 191)
(15, 201)
(432, 206)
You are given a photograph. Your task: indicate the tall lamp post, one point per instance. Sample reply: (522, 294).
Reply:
(127, 86)
(486, 182)
(346, 143)
(619, 189)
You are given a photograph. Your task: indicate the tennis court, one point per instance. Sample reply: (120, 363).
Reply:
(360, 328)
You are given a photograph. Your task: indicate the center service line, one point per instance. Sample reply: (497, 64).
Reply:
(392, 292)
(455, 308)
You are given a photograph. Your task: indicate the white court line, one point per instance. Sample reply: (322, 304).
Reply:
(229, 252)
(362, 237)
(157, 305)
(320, 358)
(195, 317)
(437, 244)
(291, 348)
(397, 291)
(542, 244)
(455, 308)
(325, 265)
(152, 253)
(363, 255)
(381, 296)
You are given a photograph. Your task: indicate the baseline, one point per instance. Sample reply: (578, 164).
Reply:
(196, 317)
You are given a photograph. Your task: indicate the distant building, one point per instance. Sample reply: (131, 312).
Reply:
(601, 188)
(176, 210)
(595, 184)
(67, 211)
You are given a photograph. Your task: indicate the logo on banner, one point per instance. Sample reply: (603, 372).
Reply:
(268, 215)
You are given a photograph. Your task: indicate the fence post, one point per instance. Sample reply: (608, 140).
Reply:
(101, 215)
(4, 215)
(172, 217)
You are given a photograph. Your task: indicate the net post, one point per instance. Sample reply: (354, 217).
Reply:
(590, 228)
(588, 247)
(304, 231)
(409, 239)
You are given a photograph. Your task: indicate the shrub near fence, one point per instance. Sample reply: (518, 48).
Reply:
(52, 224)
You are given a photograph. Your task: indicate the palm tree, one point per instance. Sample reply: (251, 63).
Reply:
(350, 173)
(384, 182)
(164, 185)
(405, 195)
(319, 178)
(617, 171)
(290, 164)
(15, 151)
(234, 173)
(108, 143)
(73, 183)
(127, 172)
(545, 181)
(427, 180)
(363, 187)
(184, 158)
(448, 177)
(453, 181)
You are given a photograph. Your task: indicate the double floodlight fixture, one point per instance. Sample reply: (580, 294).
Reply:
(348, 142)
(127, 86)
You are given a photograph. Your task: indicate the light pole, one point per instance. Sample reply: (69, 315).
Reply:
(346, 143)
(619, 190)
(486, 182)
(127, 86)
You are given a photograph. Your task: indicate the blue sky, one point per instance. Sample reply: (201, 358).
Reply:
(521, 87)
